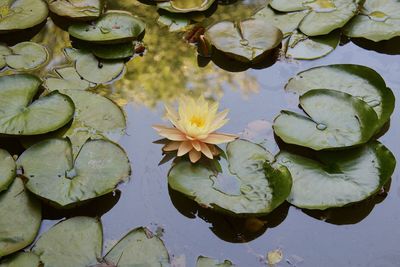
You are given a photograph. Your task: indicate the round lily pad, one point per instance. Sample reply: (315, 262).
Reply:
(4, 51)
(247, 40)
(20, 116)
(323, 16)
(338, 178)
(250, 185)
(65, 78)
(20, 218)
(97, 70)
(138, 248)
(333, 120)
(21, 259)
(359, 81)
(112, 27)
(55, 176)
(77, 9)
(7, 169)
(186, 6)
(378, 20)
(21, 14)
(71, 243)
(209, 262)
(116, 51)
(27, 56)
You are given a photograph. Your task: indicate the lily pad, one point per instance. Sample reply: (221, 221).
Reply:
(77, 9)
(359, 81)
(247, 40)
(336, 179)
(110, 51)
(21, 116)
(378, 20)
(333, 120)
(71, 243)
(4, 51)
(209, 262)
(55, 176)
(20, 218)
(174, 22)
(21, 14)
(65, 78)
(186, 6)
(7, 169)
(138, 248)
(301, 46)
(323, 16)
(27, 56)
(250, 185)
(22, 259)
(112, 27)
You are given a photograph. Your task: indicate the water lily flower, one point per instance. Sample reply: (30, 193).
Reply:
(195, 124)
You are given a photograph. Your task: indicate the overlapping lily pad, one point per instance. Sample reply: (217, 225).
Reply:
(323, 16)
(65, 78)
(333, 120)
(209, 262)
(74, 242)
(186, 6)
(335, 179)
(250, 185)
(21, 14)
(359, 81)
(111, 28)
(378, 20)
(4, 51)
(22, 259)
(247, 40)
(138, 248)
(20, 116)
(20, 218)
(7, 169)
(77, 9)
(27, 56)
(54, 175)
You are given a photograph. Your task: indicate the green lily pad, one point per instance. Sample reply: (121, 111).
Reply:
(378, 20)
(65, 78)
(112, 27)
(323, 16)
(77, 9)
(333, 120)
(209, 262)
(359, 81)
(186, 6)
(338, 178)
(248, 40)
(20, 218)
(21, 116)
(116, 51)
(71, 243)
(4, 51)
(138, 248)
(21, 14)
(7, 169)
(301, 46)
(27, 56)
(21, 259)
(55, 176)
(250, 185)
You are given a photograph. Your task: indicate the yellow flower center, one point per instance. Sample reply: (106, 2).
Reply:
(197, 121)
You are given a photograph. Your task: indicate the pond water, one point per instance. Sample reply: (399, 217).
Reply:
(364, 235)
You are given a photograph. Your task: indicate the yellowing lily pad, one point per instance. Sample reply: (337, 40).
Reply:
(186, 6)
(378, 20)
(57, 177)
(21, 259)
(21, 14)
(65, 78)
(248, 183)
(7, 169)
(20, 116)
(339, 178)
(77, 9)
(27, 56)
(247, 40)
(112, 27)
(20, 218)
(332, 120)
